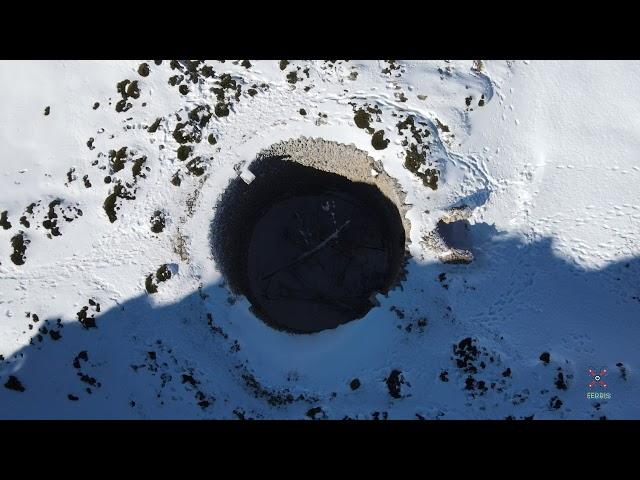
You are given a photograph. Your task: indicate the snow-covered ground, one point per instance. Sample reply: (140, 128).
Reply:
(546, 154)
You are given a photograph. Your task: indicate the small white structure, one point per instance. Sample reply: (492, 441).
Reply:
(247, 176)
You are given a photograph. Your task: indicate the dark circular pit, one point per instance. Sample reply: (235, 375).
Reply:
(309, 248)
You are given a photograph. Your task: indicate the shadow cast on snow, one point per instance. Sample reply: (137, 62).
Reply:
(144, 360)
